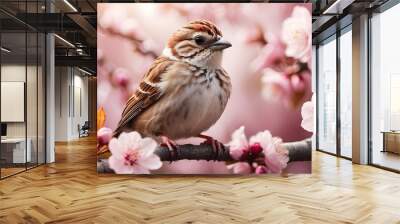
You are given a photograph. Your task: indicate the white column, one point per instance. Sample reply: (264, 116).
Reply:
(314, 90)
(50, 92)
(50, 99)
(360, 90)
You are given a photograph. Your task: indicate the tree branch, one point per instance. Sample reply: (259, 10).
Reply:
(298, 151)
(136, 42)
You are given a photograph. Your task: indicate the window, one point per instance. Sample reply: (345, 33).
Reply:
(385, 89)
(346, 93)
(327, 96)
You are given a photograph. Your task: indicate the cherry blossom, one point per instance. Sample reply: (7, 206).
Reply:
(307, 113)
(296, 34)
(132, 154)
(275, 84)
(275, 155)
(289, 88)
(270, 55)
(238, 145)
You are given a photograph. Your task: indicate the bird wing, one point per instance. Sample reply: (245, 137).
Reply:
(146, 95)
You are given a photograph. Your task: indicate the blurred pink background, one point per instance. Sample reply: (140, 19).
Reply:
(129, 35)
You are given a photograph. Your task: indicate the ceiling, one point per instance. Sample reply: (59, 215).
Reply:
(331, 15)
(74, 22)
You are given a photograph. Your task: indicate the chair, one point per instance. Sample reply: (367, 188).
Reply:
(84, 130)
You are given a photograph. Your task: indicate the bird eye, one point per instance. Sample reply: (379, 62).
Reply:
(199, 40)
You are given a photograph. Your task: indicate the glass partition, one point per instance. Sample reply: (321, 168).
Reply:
(31, 97)
(22, 101)
(41, 96)
(14, 153)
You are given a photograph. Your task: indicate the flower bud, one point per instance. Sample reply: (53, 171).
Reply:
(261, 170)
(256, 149)
(120, 78)
(297, 84)
(104, 135)
(245, 154)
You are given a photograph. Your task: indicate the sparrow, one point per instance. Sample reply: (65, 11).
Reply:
(185, 91)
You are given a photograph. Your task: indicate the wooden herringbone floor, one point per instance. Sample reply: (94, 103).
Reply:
(70, 191)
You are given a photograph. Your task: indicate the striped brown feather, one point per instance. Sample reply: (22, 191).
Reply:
(145, 96)
(185, 35)
(224, 80)
(205, 26)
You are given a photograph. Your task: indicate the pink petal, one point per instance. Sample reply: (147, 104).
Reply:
(118, 165)
(276, 156)
(236, 153)
(140, 170)
(239, 139)
(152, 162)
(270, 54)
(147, 147)
(297, 84)
(307, 113)
(277, 80)
(130, 140)
(296, 34)
(115, 147)
(261, 170)
(301, 12)
(240, 168)
(263, 138)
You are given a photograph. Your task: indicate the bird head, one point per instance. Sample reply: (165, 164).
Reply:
(200, 43)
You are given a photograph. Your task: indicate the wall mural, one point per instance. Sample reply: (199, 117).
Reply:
(204, 88)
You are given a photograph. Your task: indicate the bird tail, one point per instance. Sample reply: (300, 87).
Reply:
(102, 149)
(117, 132)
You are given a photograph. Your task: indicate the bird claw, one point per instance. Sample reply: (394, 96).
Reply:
(171, 145)
(216, 145)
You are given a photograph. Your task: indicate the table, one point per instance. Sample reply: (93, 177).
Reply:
(13, 150)
(391, 141)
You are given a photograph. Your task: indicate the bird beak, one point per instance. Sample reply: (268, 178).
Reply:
(220, 44)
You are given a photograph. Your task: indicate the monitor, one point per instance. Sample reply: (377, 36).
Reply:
(3, 129)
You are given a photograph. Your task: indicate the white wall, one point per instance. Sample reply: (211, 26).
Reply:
(61, 103)
(16, 73)
(70, 83)
(12, 73)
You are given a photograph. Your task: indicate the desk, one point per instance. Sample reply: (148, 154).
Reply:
(13, 150)
(391, 141)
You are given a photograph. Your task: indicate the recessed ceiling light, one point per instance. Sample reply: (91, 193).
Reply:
(337, 7)
(64, 40)
(84, 71)
(70, 5)
(5, 50)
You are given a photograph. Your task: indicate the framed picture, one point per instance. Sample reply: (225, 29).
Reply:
(204, 88)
